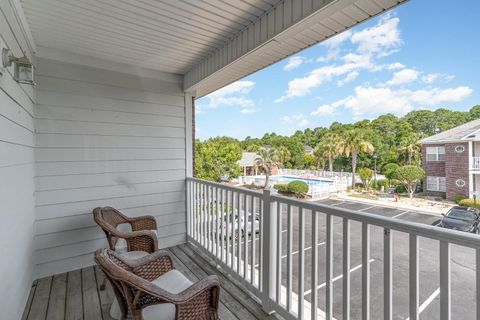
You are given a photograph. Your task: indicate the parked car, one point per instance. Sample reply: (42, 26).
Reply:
(244, 229)
(461, 218)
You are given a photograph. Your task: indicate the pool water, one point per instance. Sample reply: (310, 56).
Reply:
(309, 181)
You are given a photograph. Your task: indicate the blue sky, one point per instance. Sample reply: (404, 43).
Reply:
(424, 54)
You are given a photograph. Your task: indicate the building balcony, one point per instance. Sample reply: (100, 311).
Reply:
(475, 163)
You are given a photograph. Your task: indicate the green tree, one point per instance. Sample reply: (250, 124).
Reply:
(366, 175)
(354, 142)
(267, 159)
(329, 148)
(410, 147)
(217, 158)
(409, 176)
(389, 171)
(283, 155)
(474, 112)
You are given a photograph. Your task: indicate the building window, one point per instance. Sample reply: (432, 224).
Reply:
(436, 153)
(460, 183)
(459, 149)
(436, 184)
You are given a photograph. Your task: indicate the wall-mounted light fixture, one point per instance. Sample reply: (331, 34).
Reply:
(24, 70)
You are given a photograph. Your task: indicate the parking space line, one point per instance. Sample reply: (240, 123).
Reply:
(337, 278)
(307, 248)
(429, 300)
(400, 214)
(368, 208)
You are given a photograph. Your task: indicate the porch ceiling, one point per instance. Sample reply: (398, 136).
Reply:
(211, 42)
(170, 36)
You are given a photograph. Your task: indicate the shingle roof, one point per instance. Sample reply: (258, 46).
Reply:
(454, 134)
(248, 159)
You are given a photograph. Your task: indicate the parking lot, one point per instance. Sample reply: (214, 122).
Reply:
(462, 265)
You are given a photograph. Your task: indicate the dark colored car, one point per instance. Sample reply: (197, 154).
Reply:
(461, 218)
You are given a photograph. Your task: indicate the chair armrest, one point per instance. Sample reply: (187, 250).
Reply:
(200, 296)
(145, 240)
(152, 266)
(143, 223)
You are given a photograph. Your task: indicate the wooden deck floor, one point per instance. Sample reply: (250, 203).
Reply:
(76, 295)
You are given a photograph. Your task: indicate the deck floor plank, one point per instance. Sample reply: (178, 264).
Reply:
(246, 300)
(106, 296)
(74, 303)
(58, 295)
(225, 297)
(39, 307)
(91, 300)
(223, 312)
(76, 295)
(28, 304)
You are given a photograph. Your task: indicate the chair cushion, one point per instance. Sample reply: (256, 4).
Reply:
(121, 244)
(173, 281)
(134, 255)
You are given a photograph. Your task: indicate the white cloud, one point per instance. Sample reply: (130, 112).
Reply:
(293, 63)
(248, 110)
(327, 110)
(432, 77)
(371, 43)
(349, 78)
(333, 45)
(374, 100)
(395, 65)
(381, 38)
(298, 120)
(403, 76)
(233, 94)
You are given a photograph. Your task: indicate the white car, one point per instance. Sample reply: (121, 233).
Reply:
(245, 229)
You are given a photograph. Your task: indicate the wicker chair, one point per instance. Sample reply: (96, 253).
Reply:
(152, 289)
(141, 236)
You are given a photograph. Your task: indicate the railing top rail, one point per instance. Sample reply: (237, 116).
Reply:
(226, 187)
(427, 231)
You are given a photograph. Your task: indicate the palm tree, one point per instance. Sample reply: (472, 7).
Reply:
(329, 148)
(354, 142)
(283, 155)
(409, 145)
(267, 159)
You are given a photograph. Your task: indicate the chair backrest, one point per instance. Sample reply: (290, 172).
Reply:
(108, 219)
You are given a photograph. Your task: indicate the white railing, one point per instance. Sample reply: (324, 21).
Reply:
(476, 163)
(300, 240)
(316, 173)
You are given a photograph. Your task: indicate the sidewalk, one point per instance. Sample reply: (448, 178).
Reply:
(429, 207)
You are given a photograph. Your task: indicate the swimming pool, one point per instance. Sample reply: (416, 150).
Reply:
(310, 181)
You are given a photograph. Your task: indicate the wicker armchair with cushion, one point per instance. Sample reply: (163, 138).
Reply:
(133, 237)
(152, 289)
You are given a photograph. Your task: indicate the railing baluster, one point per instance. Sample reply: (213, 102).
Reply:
(445, 285)
(222, 225)
(365, 271)
(245, 239)
(239, 234)
(202, 232)
(217, 230)
(413, 278)
(477, 253)
(301, 262)
(387, 274)
(329, 269)
(279, 251)
(253, 237)
(232, 235)
(289, 257)
(314, 295)
(227, 228)
(209, 216)
(260, 246)
(346, 269)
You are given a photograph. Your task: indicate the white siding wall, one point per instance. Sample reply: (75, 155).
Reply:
(104, 139)
(17, 140)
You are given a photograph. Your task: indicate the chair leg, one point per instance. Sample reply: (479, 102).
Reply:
(104, 283)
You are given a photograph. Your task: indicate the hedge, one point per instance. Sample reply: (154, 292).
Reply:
(297, 187)
(459, 198)
(282, 187)
(468, 203)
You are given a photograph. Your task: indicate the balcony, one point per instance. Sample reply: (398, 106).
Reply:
(475, 163)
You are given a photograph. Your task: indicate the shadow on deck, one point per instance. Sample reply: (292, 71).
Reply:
(76, 294)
